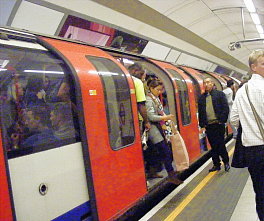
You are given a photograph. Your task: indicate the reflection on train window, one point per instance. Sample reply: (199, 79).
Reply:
(197, 89)
(37, 112)
(118, 104)
(184, 97)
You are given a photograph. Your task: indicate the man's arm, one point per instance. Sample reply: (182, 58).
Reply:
(234, 117)
(225, 107)
(143, 112)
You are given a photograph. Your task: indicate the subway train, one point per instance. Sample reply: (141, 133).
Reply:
(93, 169)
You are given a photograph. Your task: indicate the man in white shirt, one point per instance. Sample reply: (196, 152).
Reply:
(229, 96)
(251, 136)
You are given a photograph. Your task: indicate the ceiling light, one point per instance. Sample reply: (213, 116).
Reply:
(250, 6)
(255, 18)
(260, 29)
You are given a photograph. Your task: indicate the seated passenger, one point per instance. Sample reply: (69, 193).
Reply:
(35, 94)
(62, 121)
(12, 111)
(37, 121)
(63, 92)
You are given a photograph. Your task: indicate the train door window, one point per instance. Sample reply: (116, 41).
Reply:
(184, 97)
(197, 89)
(118, 103)
(35, 100)
(168, 97)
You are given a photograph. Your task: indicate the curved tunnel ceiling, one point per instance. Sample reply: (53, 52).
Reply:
(198, 21)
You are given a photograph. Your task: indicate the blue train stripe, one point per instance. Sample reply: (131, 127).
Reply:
(82, 213)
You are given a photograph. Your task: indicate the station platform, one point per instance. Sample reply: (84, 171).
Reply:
(204, 196)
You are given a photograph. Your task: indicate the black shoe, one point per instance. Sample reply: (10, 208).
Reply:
(227, 167)
(215, 168)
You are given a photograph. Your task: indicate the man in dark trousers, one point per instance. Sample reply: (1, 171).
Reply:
(252, 136)
(213, 113)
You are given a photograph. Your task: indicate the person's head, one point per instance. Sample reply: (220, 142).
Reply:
(60, 114)
(156, 87)
(46, 82)
(64, 91)
(37, 117)
(208, 84)
(35, 83)
(230, 83)
(256, 62)
(136, 70)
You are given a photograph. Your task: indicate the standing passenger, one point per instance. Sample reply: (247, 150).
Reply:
(137, 72)
(213, 113)
(252, 137)
(157, 116)
(229, 96)
(62, 121)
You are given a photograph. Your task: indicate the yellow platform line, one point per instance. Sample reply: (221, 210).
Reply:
(191, 196)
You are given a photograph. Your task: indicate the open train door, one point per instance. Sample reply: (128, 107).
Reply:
(186, 106)
(110, 131)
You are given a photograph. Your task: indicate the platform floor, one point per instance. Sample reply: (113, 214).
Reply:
(204, 196)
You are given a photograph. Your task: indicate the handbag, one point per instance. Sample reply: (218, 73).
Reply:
(239, 156)
(144, 139)
(179, 150)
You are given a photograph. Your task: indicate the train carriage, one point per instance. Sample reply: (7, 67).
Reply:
(88, 163)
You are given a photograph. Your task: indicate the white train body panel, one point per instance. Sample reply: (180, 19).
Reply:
(62, 169)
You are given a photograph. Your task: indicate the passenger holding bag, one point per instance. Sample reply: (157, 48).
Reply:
(157, 135)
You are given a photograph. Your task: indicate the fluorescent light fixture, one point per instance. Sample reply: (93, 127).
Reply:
(105, 73)
(3, 63)
(127, 61)
(260, 29)
(255, 18)
(250, 6)
(43, 72)
(3, 69)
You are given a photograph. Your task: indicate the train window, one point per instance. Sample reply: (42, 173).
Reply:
(216, 82)
(118, 103)
(36, 108)
(184, 97)
(197, 89)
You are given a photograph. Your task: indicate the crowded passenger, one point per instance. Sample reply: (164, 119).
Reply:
(213, 113)
(38, 122)
(229, 93)
(62, 121)
(248, 109)
(35, 93)
(159, 149)
(136, 70)
(12, 110)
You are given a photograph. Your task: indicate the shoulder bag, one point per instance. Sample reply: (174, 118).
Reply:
(257, 118)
